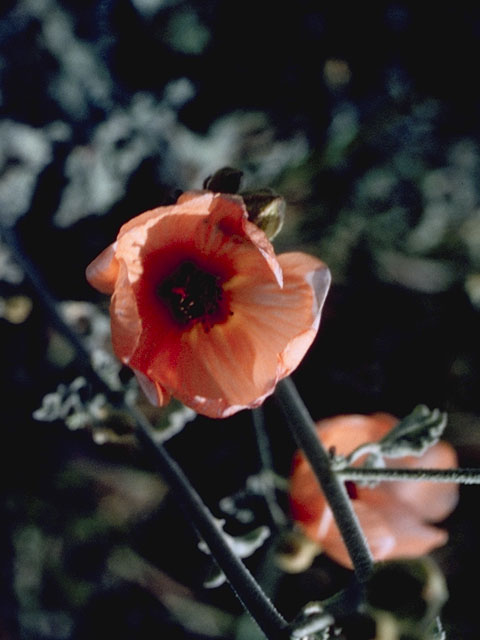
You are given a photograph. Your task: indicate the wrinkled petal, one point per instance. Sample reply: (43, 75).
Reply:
(196, 203)
(126, 323)
(281, 323)
(305, 279)
(347, 432)
(227, 233)
(102, 272)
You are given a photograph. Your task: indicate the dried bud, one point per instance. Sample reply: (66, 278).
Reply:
(266, 209)
(295, 552)
(407, 595)
(225, 180)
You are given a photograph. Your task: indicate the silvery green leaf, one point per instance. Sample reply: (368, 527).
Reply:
(413, 435)
(215, 578)
(242, 546)
(313, 622)
(438, 630)
(173, 419)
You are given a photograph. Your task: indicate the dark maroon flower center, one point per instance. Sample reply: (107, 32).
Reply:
(192, 294)
(352, 490)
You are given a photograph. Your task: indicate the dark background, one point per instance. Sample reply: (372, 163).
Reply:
(365, 118)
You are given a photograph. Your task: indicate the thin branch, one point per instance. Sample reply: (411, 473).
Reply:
(304, 432)
(461, 476)
(241, 580)
(276, 514)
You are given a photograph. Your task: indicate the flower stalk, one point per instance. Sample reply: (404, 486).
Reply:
(304, 432)
(363, 474)
(241, 580)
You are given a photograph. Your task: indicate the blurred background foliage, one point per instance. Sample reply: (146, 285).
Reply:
(364, 117)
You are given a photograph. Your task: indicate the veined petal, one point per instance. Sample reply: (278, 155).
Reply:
(304, 273)
(190, 203)
(102, 272)
(125, 321)
(433, 501)
(219, 382)
(200, 309)
(280, 323)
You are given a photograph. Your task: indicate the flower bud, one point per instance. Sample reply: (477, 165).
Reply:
(266, 209)
(225, 180)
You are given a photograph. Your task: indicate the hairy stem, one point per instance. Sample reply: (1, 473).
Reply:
(461, 476)
(304, 432)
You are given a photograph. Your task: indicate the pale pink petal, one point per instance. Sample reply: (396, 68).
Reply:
(347, 432)
(193, 203)
(280, 323)
(102, 272)
(413, 538)
(433, 501)
(380, 536)
(305, 273)
(126, 323)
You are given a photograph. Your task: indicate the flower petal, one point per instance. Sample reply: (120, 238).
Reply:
(102, 272)
(380, 536)
(190, 203)
(154, 392)
(226, 234)
(218, 383)
(304, 278)
(125, 321)
(393, 515)
(412, 536)
(280, 323)
(433, 501)
(347, 432)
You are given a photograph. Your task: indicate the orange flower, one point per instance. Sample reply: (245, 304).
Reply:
(395, 516)
(202, 309)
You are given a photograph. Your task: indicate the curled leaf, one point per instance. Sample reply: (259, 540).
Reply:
(312, 622)
(243, 546)
(413, 435)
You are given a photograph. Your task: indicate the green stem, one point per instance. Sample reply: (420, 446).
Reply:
(461, 476)
(305, 434)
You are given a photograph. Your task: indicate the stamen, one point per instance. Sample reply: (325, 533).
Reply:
(192, 294)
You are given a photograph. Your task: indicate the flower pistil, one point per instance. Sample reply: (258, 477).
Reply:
(193, 295)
